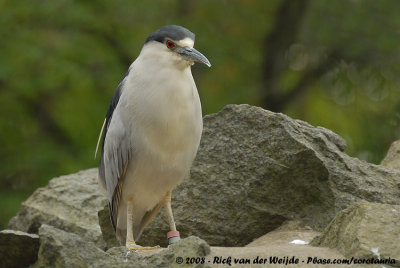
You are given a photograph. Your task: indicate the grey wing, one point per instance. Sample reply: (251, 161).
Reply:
(115, 154)
(114, 162)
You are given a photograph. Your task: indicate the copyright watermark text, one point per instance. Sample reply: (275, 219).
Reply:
(287, 260)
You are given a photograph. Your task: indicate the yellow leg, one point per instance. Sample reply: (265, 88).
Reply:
(168, 207)
(173, 234)
(130, 241)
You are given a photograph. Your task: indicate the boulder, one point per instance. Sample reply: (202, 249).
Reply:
(59, 248)
(190, 247)
(69, 203)
(364, 230)
(18, 249)
(289, 231)
(256, 169)
(392, 158)
(290, 239)
(63, 249)
(106, 228)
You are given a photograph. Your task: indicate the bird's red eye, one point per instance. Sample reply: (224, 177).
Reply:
(170, 44)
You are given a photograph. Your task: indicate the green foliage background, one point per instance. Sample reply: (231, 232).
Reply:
(60, 62)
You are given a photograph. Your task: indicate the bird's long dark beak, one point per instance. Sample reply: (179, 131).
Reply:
(191, 54)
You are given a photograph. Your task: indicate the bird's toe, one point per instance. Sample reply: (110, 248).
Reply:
(137, 247)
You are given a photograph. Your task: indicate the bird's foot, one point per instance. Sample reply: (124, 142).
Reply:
(173, 237)
(133, 246)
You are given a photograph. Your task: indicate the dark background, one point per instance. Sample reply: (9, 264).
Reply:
(331, 63)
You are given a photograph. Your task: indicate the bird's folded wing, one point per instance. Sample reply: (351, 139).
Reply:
(115, 153)
(114, 162)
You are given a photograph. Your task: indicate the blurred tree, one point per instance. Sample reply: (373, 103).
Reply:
(324, 61)
(288, 22)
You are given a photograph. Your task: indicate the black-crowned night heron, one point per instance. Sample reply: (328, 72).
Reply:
(151, 133)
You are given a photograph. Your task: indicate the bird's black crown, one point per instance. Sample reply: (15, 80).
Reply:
(175, 32)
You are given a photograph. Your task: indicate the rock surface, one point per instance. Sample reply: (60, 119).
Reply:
(18, 249)
(256, 169)
(106, 228)
(62, 249)
(280, 244)
(69, 203)
(365, 230)
(392, 158)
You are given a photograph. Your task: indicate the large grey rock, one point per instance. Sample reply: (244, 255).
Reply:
(59, 248)
(392, 158)
(62, 249)
(106, 228)
(282, 242)
(187, 248)
(256, 169)
(365, 230)
(190, 247)
(18, 249)
(69, 203)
